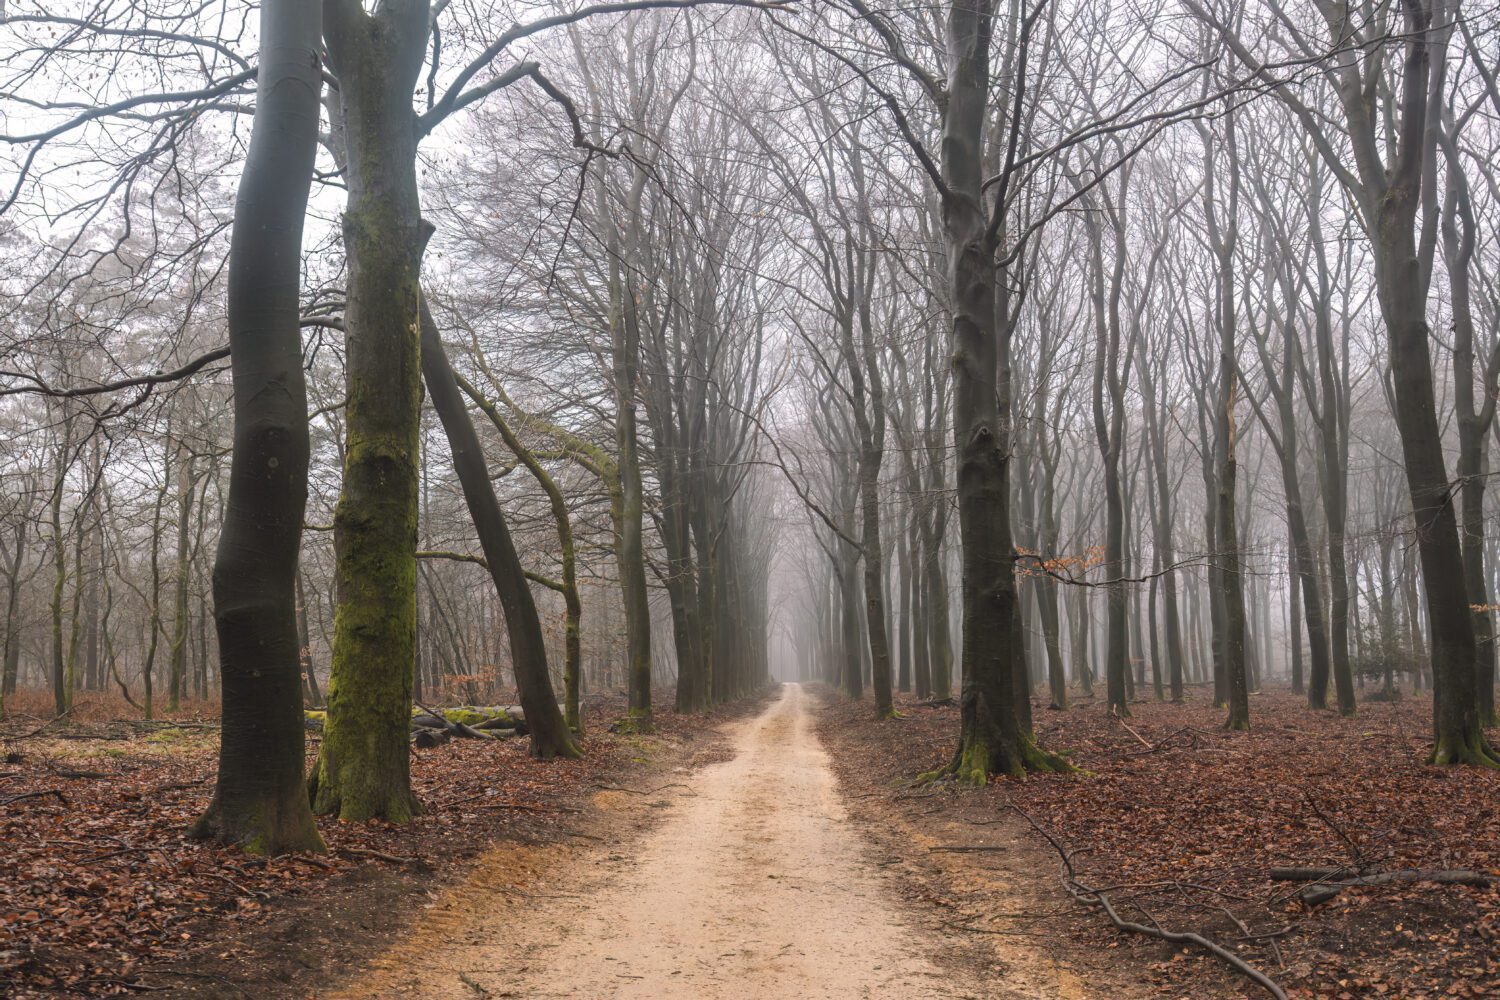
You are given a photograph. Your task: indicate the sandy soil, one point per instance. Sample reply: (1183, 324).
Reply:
(755, 884)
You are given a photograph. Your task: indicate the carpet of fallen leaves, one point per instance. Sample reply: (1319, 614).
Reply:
(99, 885)
(1181, 822)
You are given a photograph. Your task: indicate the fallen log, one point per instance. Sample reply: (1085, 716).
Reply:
(426, 739)
(1332, 881)
(1314, 874)
(457, 728)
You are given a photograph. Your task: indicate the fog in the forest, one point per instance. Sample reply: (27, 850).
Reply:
(1045, 352)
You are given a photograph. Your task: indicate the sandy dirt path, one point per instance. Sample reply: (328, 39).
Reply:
(754, 885)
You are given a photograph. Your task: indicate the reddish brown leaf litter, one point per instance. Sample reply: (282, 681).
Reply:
(1183, 822)
(101, 893)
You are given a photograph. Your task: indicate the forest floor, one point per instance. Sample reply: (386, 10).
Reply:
(1181, 823)
(101, 894)
(778, 848)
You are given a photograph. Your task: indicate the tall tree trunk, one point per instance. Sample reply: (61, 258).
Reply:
(260, 801)
(363, 767)
(991, 740)
(311, 693)
(12, 661)
(61, 693)
(1225, 435)
(1107, 430)
(1457, 734)
(630, 545)
(1458, 233)
(186, 488)
(851, 674)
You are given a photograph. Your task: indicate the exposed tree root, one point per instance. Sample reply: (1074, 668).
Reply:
(1475, 752)
(973, 763)
(637, 722)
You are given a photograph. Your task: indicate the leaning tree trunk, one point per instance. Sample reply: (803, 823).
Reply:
(260, 801)
(363, 770)
(550, 736)
(567, 551)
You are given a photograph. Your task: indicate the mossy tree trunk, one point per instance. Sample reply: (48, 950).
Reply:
(363, 769)
(260, 801)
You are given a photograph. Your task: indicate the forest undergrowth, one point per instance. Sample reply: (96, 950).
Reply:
(1183, 823)
(102, 894)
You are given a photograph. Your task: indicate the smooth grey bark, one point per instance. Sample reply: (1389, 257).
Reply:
(260, 802)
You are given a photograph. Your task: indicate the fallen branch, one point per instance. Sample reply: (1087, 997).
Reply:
(34, 795)
(468, 981)
(254, 893)
(523, 807)
(65, 772)
(394, 859)
(1093, 897)
(1165, 743)
(639, 791)
(123, 984)
(168, 724)
(1144, 742)
(40, 729)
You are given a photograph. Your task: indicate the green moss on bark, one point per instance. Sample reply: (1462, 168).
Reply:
(1474, 751)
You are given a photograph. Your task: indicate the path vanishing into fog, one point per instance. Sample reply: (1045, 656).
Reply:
(755, 884)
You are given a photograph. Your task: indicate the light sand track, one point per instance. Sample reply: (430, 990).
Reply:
(754, 885)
